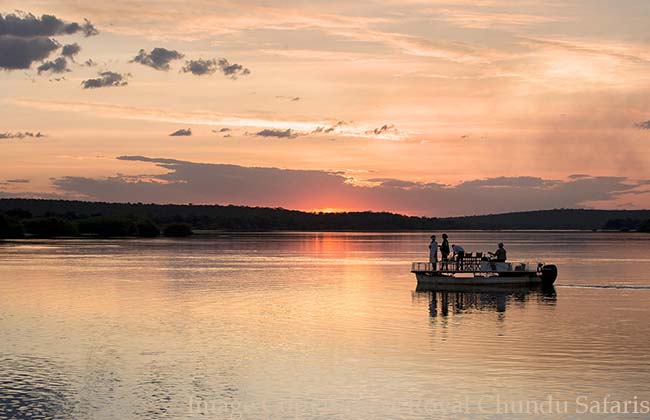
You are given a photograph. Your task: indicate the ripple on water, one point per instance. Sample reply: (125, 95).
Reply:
(34, 388)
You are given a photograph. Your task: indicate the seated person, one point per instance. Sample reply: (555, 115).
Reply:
(499, 255)
(459, 254)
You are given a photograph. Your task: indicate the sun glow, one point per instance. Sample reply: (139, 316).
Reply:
(330, 210)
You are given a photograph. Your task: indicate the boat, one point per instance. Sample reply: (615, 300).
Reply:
(478, 271)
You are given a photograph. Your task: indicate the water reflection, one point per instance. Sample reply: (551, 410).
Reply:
(444, 300)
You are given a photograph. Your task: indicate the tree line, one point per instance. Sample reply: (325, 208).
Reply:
(50, 218)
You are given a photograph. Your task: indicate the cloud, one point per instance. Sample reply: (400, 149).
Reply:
(21, 135)
(20, 53)
(26, 25)
(70, 50)
(210, 118)
(633, 53)
(232, 69)
(182, 132)
(59, 65)
(186, 182)
(291, 98)
(106, 79)
(18, 181)
(384, 129)
(282, 134)
(202, 67)
(158, 58)
(195, 25)
(90, 63)
(503, 181)
(645, 125)
(485, 19)
(225, 131)
(25, 38)
(327, 130)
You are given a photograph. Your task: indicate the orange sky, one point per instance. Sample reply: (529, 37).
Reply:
(442, 92)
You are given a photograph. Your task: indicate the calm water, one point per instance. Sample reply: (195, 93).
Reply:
(319, 326)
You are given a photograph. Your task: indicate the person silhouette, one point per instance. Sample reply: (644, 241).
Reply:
(433, 252)
(445, 249)
(500, 254)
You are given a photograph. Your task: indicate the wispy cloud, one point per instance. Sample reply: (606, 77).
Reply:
(359, 130)
(631, 52)
(290, 98)
(22, 135)
(281, 134)
(644, 125)
(483, 19)
(182, 132)
(386, 129)
(202, 24)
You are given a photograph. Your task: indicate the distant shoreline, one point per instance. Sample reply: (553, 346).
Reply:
(79, 219)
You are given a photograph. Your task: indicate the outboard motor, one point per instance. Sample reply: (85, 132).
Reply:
(549, 274)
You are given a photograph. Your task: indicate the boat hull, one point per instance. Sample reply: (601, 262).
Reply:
(525, 278)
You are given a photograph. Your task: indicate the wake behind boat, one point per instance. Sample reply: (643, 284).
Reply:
(477, 270)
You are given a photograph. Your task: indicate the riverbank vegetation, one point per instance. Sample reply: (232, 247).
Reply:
(20, 224)
(59, 218)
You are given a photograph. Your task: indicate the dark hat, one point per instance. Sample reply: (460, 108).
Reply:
(444, 235)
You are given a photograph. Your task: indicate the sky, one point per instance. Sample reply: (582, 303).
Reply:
(432, 108)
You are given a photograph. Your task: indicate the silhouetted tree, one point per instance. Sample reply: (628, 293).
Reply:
(10, 228)
(49, 227)
(146, 228)
(177, 230)
(622, 224)
(645, 227)
(19, 213)
(107, 227)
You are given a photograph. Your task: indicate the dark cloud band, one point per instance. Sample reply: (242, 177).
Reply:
(20, 53)
(311, 189)
(25, 39)
(26, 25)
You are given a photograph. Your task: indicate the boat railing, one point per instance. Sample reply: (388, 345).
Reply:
(469, 264)
(422, 267)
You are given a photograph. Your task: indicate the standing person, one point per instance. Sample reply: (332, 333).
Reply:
(444, 249)
(459, 253)
(433, 252)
